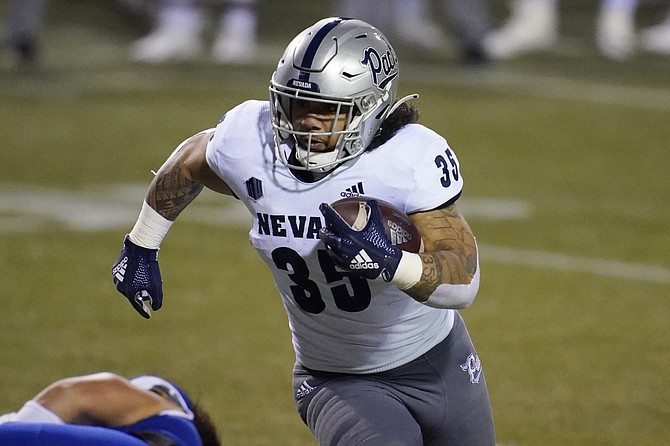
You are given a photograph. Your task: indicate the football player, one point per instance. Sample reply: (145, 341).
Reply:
(105, 409)
(24, 22)
(414, 24)
(382, 355)
(534, 25)
(180, 25)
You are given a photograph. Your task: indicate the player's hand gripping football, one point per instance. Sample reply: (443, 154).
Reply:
(138, 277)
(367, 252)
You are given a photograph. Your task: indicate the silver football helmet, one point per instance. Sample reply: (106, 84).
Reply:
(349, 66)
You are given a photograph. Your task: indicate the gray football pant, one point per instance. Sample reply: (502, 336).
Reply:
(439, 399)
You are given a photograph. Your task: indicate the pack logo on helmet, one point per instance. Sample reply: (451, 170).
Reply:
(384, 67)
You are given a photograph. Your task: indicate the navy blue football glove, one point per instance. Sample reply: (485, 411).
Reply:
(368, 252)
(138, 277)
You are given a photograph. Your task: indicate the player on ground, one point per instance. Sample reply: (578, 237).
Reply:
(105, 409)
(382, 354)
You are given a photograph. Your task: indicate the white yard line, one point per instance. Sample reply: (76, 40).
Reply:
(33, 209)
(108, 207)
(525, 84)
(565, 262)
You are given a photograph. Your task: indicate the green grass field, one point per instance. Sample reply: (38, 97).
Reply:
(565, 157)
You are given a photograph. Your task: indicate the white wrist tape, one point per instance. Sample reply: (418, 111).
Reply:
(409, 271)
(34, 412)
(150, 228)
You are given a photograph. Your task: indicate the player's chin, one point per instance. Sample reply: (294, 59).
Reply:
(313, 145)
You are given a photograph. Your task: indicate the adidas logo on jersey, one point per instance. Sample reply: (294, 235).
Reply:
(363, 261)
(353, 191)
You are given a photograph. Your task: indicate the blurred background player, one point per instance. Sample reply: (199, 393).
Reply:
(105, 409)
(656, 39)
(410, 22)
(24, 22)
(534, 24)
(178, 33)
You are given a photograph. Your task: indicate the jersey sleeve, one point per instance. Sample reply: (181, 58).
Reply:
(437, 177)
(242, 128)
(214, 153)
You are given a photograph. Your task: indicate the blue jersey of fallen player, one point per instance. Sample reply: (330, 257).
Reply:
(170, 427)
(159, 430)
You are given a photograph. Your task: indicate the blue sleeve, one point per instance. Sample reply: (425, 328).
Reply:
(180, 431)
(39, 434)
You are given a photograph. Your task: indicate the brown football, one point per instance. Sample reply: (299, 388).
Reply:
(398, 227)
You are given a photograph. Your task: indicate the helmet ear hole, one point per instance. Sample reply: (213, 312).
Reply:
(367, 103)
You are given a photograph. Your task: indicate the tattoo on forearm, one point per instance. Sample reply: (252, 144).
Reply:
(451, 255)
(439, 268)
(171, 191)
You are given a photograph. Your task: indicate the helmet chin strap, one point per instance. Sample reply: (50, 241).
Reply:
(309, 159)
(320, 162)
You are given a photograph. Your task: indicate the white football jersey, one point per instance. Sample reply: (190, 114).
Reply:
(339, 321)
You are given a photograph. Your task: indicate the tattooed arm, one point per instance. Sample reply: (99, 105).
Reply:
(182, 177)
(449, 257)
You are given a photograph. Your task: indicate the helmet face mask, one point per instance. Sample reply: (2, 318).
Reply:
(344, 64)
(334, 136)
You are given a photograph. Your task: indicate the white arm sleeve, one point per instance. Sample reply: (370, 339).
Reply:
(7, 417)
(447, 296)
(34, 412)
(455, 296)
